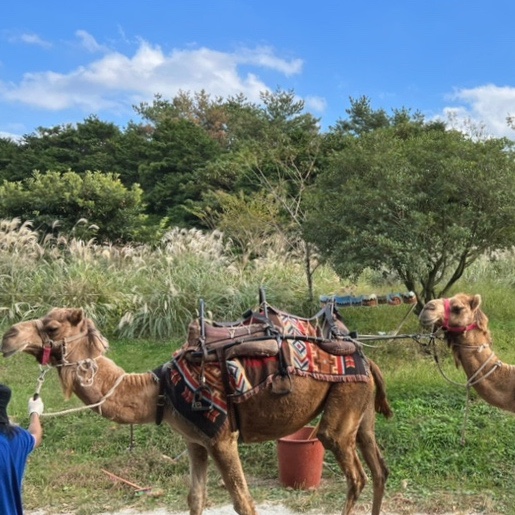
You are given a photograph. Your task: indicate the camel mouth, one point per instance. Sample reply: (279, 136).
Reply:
(7, 353)
(428, 322)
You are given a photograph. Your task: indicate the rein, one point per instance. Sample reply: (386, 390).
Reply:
(49, 344)
(475, 378)
(88, 406)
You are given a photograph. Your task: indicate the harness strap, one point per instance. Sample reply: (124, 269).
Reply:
(231, 410)
(454, 329)
(49, 344)
(158, 375)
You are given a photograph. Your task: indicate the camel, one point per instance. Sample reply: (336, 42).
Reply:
(466, 332)
(71, 343)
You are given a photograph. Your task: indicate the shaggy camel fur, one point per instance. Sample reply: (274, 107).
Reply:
(466, 331)
(348, 409)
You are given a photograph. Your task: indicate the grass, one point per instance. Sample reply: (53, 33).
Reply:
(142, 299)
(431, 469)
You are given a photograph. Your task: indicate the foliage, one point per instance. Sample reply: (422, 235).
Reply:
(177, 150)
(55, 200)
(417, 200)
(90, 145)
(143, 290)
(390, 192)
(199, 109)
(431, 470)
(249, 221)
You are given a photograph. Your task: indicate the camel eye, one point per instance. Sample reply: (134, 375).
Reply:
(52, 329)
(457, 310)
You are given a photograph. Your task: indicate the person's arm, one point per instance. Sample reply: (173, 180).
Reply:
(35, 410)
(35, 428)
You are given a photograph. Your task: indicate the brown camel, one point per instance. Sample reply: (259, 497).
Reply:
(76, 348)
(466, 332)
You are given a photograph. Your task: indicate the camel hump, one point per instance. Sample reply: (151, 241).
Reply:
(381, 401)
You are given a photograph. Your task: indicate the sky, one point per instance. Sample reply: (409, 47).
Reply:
(63, 61)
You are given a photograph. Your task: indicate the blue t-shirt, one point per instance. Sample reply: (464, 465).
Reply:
(13, 458)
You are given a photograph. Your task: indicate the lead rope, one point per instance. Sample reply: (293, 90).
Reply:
(465, 416)
(80, 408)
(472, 380)
(41, 379)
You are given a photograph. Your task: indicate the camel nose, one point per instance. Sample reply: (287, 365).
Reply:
(430, 306)
(8, 347)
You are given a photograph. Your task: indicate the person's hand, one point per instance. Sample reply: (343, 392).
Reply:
(36, 405)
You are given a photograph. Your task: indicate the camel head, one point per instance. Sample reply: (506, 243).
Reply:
(456, 314)
(63, 334)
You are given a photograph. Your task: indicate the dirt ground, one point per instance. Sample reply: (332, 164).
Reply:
(263, 509)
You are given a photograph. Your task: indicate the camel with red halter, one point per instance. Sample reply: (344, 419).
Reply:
(71, 343)
(465, 328)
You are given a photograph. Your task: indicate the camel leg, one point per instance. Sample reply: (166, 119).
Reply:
(227, 459)
(372, 455)
(197, 495)
(343, 413)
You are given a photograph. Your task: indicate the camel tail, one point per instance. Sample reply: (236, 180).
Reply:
(381, 401)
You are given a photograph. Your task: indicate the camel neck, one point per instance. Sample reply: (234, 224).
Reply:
(126, 398)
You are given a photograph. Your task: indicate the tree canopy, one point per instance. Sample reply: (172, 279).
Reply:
(415, 199)
(393, 192)
(56, 201)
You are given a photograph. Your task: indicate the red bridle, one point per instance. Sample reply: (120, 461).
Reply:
(454, 329)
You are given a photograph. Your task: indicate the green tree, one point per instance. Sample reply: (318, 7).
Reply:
(274, 154)
(198, 108)
(90, 145)
(424, 203)
(247, 220)
(57, 201)
(178, 150)
(9, 151)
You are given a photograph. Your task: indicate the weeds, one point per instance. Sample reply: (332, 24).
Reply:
(144, 297)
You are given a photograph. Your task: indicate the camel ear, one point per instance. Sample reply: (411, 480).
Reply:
(480, 318)
(75, 316)
(475, 302)
(96, 338)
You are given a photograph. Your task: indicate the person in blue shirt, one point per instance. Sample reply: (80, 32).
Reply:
(16, 443)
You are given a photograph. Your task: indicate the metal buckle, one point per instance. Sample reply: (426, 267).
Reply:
(200, 403)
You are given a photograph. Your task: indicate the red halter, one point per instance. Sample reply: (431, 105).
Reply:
(454, 329)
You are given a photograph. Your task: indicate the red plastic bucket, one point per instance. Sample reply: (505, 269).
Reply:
(301, 459)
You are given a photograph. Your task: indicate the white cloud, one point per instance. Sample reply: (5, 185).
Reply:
(116, 81)
(486, 106)
(317, 104)
(89, 42)
(30, 39)
(10, 135)
(264, 57)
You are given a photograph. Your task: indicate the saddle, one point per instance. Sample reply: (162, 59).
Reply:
(205, 339)
(260, 334)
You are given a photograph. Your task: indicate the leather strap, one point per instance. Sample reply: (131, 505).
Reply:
(231, 410)
(159, 376)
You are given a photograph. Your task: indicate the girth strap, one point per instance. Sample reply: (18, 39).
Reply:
(231, 410)
(159, 376)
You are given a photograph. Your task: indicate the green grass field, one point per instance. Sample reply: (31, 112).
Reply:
(142, 299)
(431, 468)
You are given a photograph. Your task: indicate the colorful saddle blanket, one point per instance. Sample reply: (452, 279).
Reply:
(204, 405)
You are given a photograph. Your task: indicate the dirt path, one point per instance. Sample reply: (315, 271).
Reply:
(263, 509)
(266, 509)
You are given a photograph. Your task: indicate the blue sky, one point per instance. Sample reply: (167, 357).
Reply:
(61, 61)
